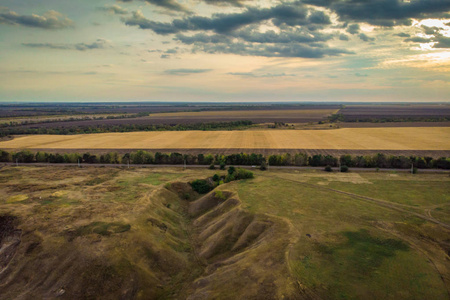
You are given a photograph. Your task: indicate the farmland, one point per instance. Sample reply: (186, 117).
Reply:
(144, 234)
(427, 138)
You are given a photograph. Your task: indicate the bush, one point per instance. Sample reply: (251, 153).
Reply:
(222, 166)
(212, 167)
(200, 186)
(231, 170)
(216, 177)
(344, 168)
(243, 174)
(328, 168)
(263, 166)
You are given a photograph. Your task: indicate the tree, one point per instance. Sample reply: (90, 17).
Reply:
(231, 170)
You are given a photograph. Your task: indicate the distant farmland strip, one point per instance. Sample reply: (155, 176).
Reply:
(430, 138)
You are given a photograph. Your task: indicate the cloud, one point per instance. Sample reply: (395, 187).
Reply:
(270, 50)
(202, 38)
(365, 38)
(238, 3)
(343, 37)
(98, 44)
(417, 39)
(386, 13)
(49, 20)
(186, 71)
(266, 75)
(402, 34)
(361, 75)
(114, 9)
(283, 14)
(319, 17)
(353, 29)
(442, 42)
(47, 45)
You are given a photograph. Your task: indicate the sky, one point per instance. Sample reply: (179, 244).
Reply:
(225, 50)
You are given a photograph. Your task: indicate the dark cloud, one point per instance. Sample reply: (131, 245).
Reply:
(186, 71)
(238, 3)
(283, 14)
(384, 12)
(114, 9)
(165, 56)
(98, 44)
(417, 39)
(287, 36)
(430, 30)
(402, 34)
(169, 4)
(343, 37)
(319, 17)
(50, 20)
(276, 50)
(442, 42)
(353, 29)
(439, 40)
(203, 38)
(365, 38)
(172, 51)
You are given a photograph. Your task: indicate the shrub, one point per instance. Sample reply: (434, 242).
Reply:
(216, 177)
(200, 186)
(344, 168)
(222, 166)
(220, 195)
(263, 166)
(328, 168)
(231, 170)
(212, 167)
(243, 174)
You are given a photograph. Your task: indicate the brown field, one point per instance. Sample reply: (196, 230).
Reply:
(311, 113)
(430, 138)
(353, 112)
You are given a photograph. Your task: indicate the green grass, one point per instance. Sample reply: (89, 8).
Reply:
(413, 193)
(346, 257)
(103, 228)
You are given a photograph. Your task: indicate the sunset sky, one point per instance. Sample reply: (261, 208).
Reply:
(225, 50)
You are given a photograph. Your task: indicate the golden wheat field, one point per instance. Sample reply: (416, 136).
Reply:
(412, 138)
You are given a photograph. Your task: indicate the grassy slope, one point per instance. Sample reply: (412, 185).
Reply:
(93, 227)
(356, 249)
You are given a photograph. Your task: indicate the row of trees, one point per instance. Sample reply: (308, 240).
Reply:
(299, 159)
(79, 129)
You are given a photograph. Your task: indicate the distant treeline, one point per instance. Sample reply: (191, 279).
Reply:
(300, 159)
(381, 119)
(71, 119)
(82, 129)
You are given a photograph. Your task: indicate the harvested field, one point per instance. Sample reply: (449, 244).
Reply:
(431, 138)
(256, 116)
(354, 112)
(391, 124)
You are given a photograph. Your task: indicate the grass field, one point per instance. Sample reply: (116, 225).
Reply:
(112, 232)
(430, 138)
